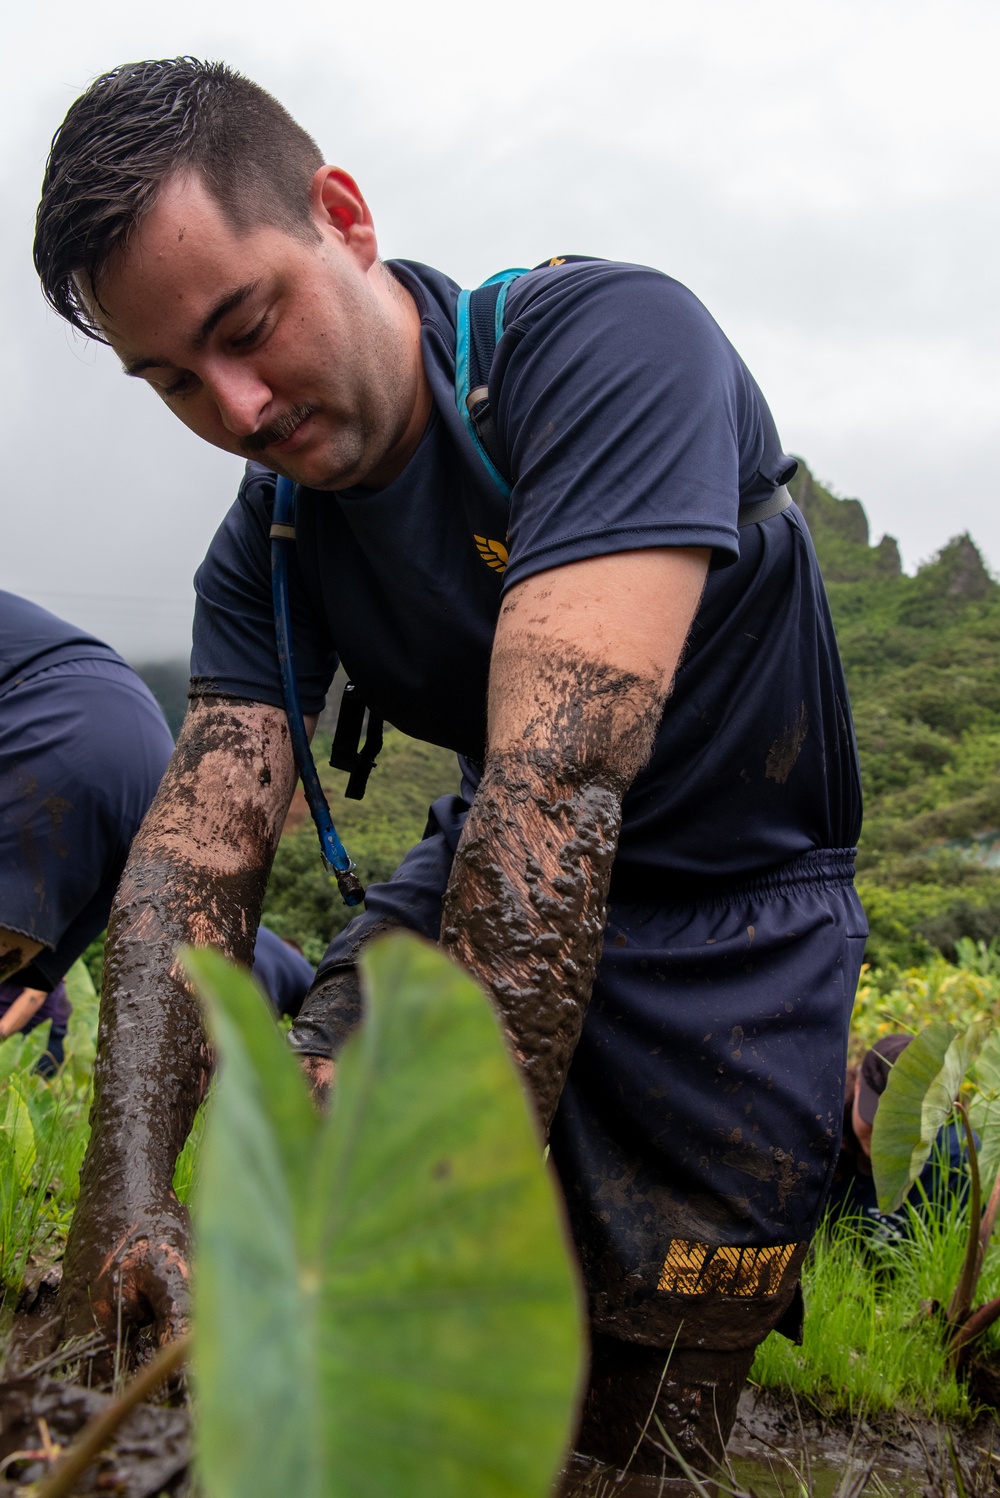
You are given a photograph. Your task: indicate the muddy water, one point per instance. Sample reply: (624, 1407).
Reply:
(778, 1450)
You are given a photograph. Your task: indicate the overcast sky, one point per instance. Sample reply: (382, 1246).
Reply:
(823, 175)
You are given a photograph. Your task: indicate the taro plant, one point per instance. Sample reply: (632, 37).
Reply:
(384, 1302)
(946, 1074)
(43, 1135)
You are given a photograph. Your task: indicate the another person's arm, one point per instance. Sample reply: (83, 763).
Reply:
(196, 874)
(24, 1007)
(582, 664)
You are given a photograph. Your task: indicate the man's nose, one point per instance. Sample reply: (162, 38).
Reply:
(242, 399)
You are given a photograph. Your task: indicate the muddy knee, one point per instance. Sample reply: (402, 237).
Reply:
(637, 1393)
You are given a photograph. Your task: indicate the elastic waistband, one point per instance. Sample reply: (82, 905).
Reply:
(640, 886)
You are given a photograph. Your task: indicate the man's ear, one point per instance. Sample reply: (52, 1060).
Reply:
(338, 206)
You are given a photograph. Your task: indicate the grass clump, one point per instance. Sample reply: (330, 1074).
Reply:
(874, 1335)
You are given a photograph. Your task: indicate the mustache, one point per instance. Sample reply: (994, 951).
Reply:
(276, 431)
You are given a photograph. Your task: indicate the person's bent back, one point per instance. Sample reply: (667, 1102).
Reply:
(83, 746)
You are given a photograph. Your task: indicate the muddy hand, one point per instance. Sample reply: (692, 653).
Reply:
(319, 1073)
(131, 1275)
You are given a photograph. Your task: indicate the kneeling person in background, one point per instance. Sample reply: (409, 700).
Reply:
(83, 746)
(943, 1178)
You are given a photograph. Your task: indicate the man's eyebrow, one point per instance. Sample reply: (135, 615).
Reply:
(225, 305)
(139, 366)
(229, 303)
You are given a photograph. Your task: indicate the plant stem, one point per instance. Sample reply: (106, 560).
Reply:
(95, 1436)
(989, 1219)
(961, 1301)
(978, 1322)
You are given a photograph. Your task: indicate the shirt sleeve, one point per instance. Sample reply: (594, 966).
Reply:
(629, 419)
(234, 652)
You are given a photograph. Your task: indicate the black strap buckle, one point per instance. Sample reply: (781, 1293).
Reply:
(348, 753)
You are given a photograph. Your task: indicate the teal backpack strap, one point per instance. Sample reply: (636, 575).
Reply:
(479, 330)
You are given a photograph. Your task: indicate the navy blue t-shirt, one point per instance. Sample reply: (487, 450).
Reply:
(83, 746)
(33, 640)
(282, 973)
(629, 421)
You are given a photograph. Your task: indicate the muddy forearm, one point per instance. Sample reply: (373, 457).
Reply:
(153, 1060)
(525, 906)
(196, 875)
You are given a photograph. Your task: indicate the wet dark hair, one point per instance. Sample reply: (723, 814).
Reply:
(137, 126)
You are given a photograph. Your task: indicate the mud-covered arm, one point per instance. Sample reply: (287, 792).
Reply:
(196, 874)
(582, 664)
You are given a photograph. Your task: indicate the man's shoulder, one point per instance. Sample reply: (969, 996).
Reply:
(576, 285)
(32, 638)
(580, 286)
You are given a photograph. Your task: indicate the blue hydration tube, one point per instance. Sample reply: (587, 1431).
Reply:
(334, 853)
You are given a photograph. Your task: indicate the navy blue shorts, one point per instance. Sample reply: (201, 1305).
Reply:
(83, 747)
(700, 1123)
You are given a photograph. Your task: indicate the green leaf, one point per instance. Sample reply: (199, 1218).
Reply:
(21, 1050)
(984, 1110)
(79, 984)
(81, 1038)
(233, 1001)
(917, 1102)
(451, 1338)
(20, 1135)
(426, 1332)
(253, 1357)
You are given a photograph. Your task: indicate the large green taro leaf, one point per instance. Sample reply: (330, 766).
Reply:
(254, 1352)
(919, 1096)
(984, 1110)
(426, 1332)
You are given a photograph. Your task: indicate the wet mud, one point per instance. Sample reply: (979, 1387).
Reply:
(780, 1448)
(526, 904)
(904, 1454)
(149, 1455)
(196, 874)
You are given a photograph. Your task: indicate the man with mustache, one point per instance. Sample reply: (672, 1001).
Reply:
(650, 864)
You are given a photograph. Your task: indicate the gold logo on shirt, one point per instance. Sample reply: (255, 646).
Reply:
(558, 260)
(493, 553)
(699, 1268)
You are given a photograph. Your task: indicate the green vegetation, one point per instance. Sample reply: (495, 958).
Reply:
(921, 656)
(302, 902)
(946, 1074)
(44, 1128)
(168, 682)
(402, 1260)
(871, 1340)
(964, 994)
(43, 1135)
